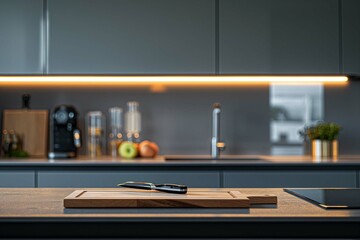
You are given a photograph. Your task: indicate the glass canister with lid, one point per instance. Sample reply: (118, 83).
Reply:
(115, 128)
(133, 122)
(96, 142)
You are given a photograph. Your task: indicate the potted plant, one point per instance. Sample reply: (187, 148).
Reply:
(324, 139)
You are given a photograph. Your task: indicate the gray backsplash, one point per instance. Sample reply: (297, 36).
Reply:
(342, 105)
(178, 120)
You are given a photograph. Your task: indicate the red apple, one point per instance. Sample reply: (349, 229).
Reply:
(148, 149)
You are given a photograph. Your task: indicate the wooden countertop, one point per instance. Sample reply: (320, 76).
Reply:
(42, 208)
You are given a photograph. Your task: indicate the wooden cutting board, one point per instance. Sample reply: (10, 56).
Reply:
(32, 128)
(155, 199)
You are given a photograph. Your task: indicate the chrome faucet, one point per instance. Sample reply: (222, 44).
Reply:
(216, 145)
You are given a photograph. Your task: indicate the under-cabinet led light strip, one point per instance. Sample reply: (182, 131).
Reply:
(166, 80)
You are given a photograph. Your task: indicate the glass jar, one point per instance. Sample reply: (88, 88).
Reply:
(133, 122)
(95, 134)
(115, 131)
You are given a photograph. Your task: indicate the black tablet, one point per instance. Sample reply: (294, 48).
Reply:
(329, 197)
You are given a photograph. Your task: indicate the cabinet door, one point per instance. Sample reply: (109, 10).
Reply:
(20, 36)
(280, 179)
(351, 36)
(279, 36)
(131, 36)
(112, 178)
(20, 179)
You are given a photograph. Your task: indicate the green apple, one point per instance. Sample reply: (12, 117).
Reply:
(128, 150)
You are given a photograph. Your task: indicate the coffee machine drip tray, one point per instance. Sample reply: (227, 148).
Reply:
(329, 198)
(61, 155)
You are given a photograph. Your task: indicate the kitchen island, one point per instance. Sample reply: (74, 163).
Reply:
(37, 213)
(226, 162)
(234, 171)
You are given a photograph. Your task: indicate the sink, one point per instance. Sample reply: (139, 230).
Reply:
(208, 158)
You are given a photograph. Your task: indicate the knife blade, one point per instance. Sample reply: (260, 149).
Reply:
(165, 187)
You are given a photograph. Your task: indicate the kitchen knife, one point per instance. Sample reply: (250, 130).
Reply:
(169, 188)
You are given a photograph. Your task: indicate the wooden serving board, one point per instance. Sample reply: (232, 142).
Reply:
(155, 199)
(32, 128)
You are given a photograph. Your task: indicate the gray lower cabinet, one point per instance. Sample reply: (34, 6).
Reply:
(20, 179)
(112, 178)
(351, 36)
(132, 36)
(279, 179)
(280, 36)
(20, 36)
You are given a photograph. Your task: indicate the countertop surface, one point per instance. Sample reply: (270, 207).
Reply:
(47, 203)
(40, 213)
(190, 161)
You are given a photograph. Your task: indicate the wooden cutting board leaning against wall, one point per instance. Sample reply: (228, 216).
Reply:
(32, 128)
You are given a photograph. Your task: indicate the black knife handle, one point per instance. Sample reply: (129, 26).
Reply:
(171, 188)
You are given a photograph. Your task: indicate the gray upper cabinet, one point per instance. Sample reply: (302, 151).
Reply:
(131, 36)
(20, 36)
(279, 36)
(351, 36)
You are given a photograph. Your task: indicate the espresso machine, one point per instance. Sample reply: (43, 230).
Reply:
(65, 136)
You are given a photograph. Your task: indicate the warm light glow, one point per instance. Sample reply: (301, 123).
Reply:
(180, 80)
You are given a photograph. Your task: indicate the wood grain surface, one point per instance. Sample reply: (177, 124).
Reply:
(47, 203)
(32, 128)
(155, 199)
(39, 213)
